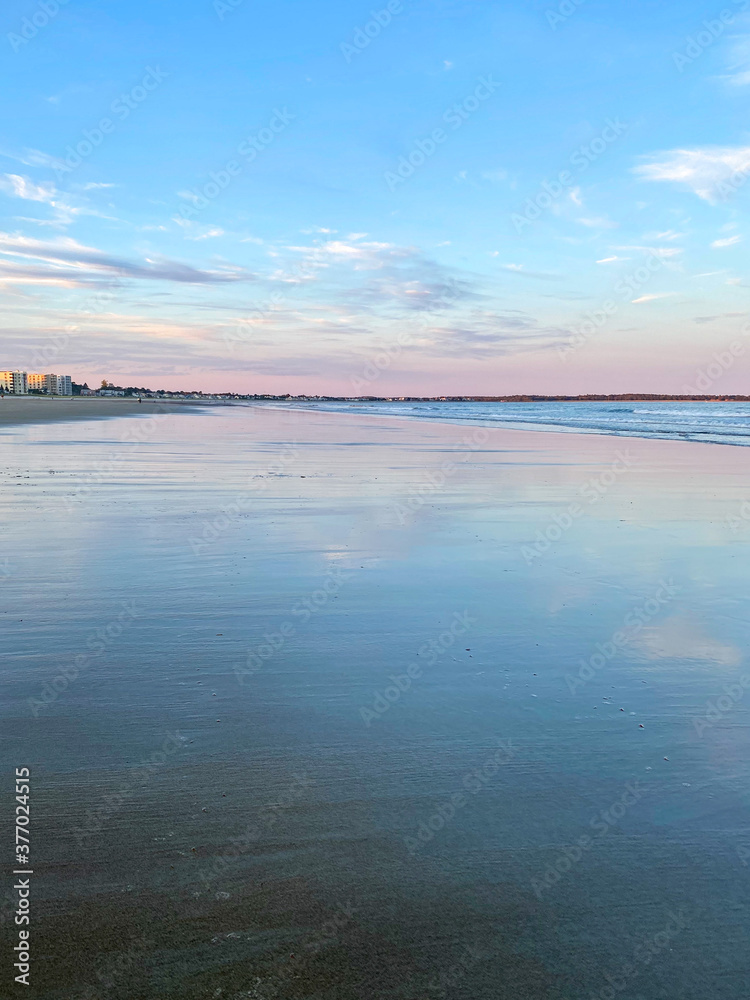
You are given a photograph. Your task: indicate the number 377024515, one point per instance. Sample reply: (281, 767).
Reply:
(23, 814)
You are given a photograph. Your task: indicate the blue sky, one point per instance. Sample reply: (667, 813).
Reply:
(435, 196)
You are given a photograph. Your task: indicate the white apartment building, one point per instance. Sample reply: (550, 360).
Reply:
(53, 385)
(14, 382)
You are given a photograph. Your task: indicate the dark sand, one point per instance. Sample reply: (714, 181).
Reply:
(43, 409)
(215, 816)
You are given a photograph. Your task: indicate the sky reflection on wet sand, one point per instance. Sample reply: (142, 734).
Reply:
(251, 754)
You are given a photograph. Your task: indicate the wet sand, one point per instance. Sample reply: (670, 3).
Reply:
(42, 409)
(370, 708)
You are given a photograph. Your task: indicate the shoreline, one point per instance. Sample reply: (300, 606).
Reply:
(520, 425)
(23, 410)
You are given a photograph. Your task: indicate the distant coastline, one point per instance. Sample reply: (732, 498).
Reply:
(627, 397)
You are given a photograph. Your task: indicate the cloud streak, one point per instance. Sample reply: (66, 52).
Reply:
(703, 171)
(75, 264)
(729, 241)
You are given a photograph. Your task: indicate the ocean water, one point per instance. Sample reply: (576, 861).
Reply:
(333, 707)
(715, 423)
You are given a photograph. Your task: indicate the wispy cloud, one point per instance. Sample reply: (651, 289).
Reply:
(739, 79)
(363, 256)
(210, 234)
(658, 251)
(739, 62)
(600, 222)
(22, 187)
(728, 241)
(488, 334)
(67, 261)
(712, 319)
(30, 157)
(652, 298)
(376, 278)
(65, 208)
(521, 269)
(701, 170)
(668, 234)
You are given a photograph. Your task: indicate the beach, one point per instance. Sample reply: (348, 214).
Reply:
(51, 409)
(339, 705)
